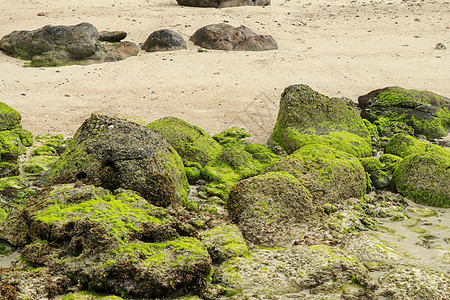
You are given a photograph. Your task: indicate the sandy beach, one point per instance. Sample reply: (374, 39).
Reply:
(339, 48)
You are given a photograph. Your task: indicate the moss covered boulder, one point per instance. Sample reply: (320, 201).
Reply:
(270, 208)
(238, 160)
(395, 110)
(330, 175)
(115, 153)
(224, 242)
(403, 145)
(424, 178)
(9, 117)
(282, 273)
(13, 144)
(307, 117)
(116, 243)
(192, 143)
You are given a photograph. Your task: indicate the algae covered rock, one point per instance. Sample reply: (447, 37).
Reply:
(396, 110)
(224, 242)
(403, 145)
(271, 273)
(192, 143)
(307, 117)
(9, 117)
(115, 153)
(414, 283)
(269, 208)
(330, 175)
(424, 178)
(113, 242)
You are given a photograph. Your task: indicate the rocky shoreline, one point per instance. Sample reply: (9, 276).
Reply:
(336, 206)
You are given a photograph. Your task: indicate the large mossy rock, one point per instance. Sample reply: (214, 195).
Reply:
(395, 110)
(271, 274)
(330, 175)
(117, 243)
(425, 178)
(9, 117)
(403, 145)
(192, 143)
(307, 117)
(270, 208)
(115, 153)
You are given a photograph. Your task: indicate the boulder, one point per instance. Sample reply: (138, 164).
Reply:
(227, 37)
(223, 3)
(395, 110)
(192, 143)
(164, 40)
(271, 274)
(330, 175)
(402, 145)
(112, 36)
(224, 242)
(79, 41)
(119, 243)
(9, 117)
(269, 208)
(424, 178)
(115, 153)
(307, 117)
(53, 46)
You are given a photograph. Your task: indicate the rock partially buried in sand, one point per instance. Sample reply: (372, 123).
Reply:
(112, 36)
(53, 46)
(115, 153)
(164, 40)
(223, 3)
(226, 37)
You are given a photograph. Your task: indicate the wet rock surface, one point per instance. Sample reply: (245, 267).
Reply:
(223, 3)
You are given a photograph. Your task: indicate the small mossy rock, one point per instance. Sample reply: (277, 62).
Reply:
(115, 153)
(50, 59)
(112, 36)
(36, 166)
(9, 117)
(192, 143)
(268, 208)
(270, 272)
(8, 169)
(11, 146)
(57, 142)
(235, 163)
(223, 3)
(224, 36)
(380, 179)
(390, 162)
(102, 240)
(232, 136)
(403, 145)
(371, 164)
(43, 150)
(424, 178)
(193, 174)
(394, 108)
(224, 242)
(307, 117)
(79, 41)
(164, 40)
(330, 175)
(14, 228)
(414, 283)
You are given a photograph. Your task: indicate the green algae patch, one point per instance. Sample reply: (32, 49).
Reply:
(232, 136)
(371, 164)
(192, 143)
(9, 117)
(330, 175)
(396, 110)
(307, 117)
(37, 165)
(424, 178)
(403, 145)
(119, 214)
(3, 214)
(390, 162)
(224, 242)
(57, 142)
(89, 295)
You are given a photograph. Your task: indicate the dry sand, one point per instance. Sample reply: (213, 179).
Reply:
(346, 49)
